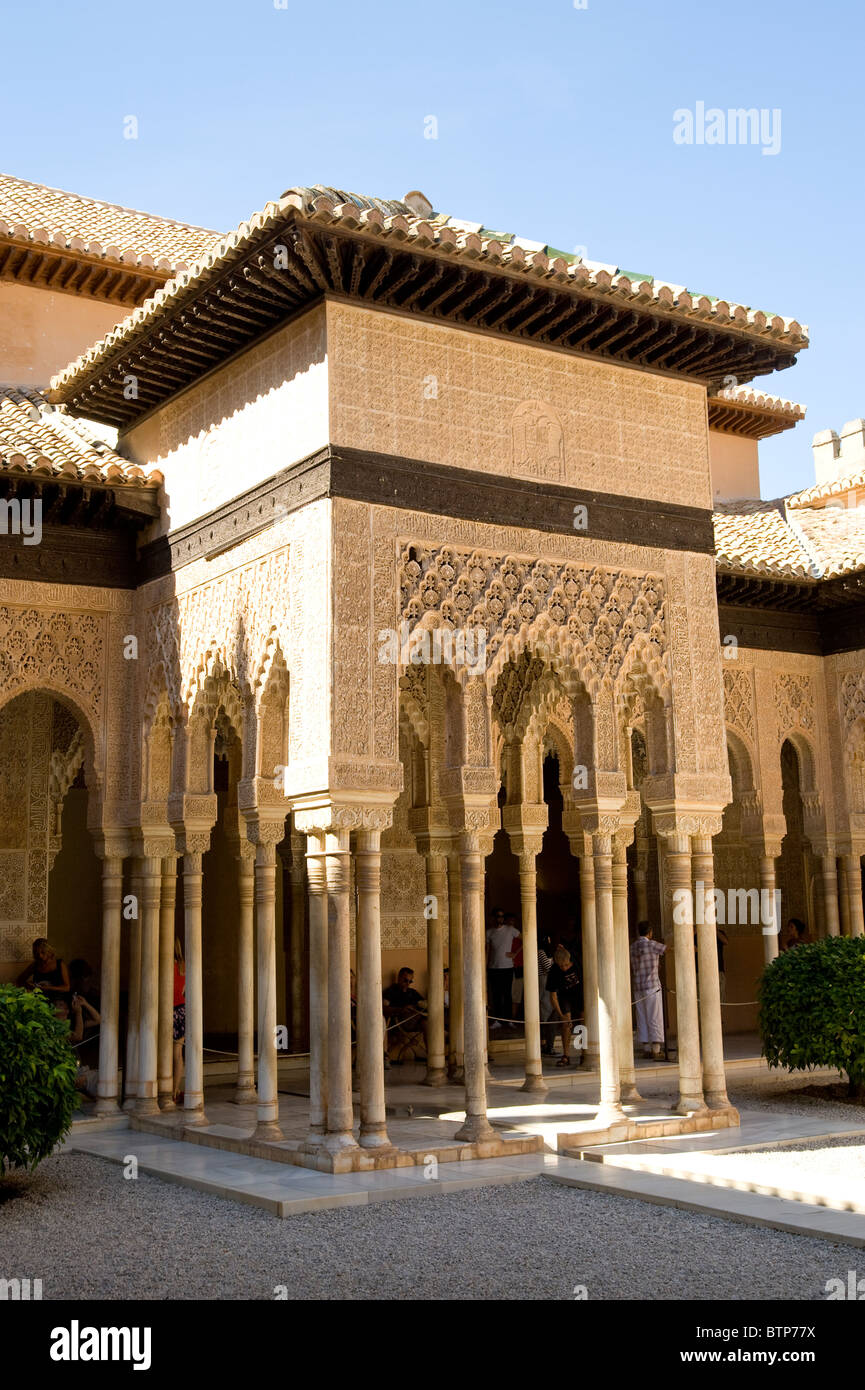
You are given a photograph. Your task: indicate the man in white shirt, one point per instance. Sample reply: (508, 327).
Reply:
(501, 948)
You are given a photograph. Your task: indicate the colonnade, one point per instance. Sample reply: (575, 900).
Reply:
(454, 874)
(149, 914)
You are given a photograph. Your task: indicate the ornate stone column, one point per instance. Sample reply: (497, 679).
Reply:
(266, 835)
(151, 883)
(589, 929)
(531, 992)
(340, 1115)
(678, 878)
(473, 849)
(714, 1077)
(610, 1111)
(245, 1092)
(316, 877)
(296, 946)
(456, 1047)
(829, 872)
(525, 823)
(109, 997)
(166, 982)
(853, 864)
(130, 1077)
(193, 1092)
(436, 889)
(844, 896)
(624, 1016)
(370, 1022)
(767, 895)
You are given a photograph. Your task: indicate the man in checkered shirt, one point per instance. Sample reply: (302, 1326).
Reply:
(645, 956)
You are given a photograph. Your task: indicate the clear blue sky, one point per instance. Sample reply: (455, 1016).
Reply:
(553, 122)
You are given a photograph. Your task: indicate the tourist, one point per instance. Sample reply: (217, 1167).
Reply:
(83, 1016)
(179, 1029)
(797, 934)
(403, 1006)
(81, 981)
(49, 974)
(501, 940)
(645, 957)
(563, 985)
(545, 960)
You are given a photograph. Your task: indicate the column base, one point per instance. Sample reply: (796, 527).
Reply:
(717, 1100)
(338, 1142)
(268, 1130)
(313, 1141)
(475, 1128)
(106, 1105)
(193, 1119)
(630, 1094)
(167, 1102)
(147, 1105)
(534, 1082)
(246, 1095)
(591, 1061)
(608, 1115)
(457, 1076)
(376, 1139)
(689, 1105)
(130, 1105)
(435, 1077)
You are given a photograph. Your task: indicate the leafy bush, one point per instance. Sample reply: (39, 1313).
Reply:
(812, 1008)
(37, 1078)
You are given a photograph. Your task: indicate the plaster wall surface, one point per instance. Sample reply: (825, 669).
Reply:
(735, 466)
(428, 391)
(42, 332)
(239, 426)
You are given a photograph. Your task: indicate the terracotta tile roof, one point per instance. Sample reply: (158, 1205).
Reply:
(755, 538)
(821, 492)
(39, 440)
(397, 227)
(835, 536)
(35, 215)
(766, 540)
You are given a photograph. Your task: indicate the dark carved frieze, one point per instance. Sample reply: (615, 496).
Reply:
(417, 485)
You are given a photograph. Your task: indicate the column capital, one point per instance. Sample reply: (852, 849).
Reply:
(527, 853)
(265, 828)
(475, 840)
(824, 847)
(192, 813)
(524, 825)
(333, 814)
(147, 843)
(113, 845)
(683, 822)
(192, 841)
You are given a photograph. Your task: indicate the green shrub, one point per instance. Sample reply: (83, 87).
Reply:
(812, 1008)
(37, 1078)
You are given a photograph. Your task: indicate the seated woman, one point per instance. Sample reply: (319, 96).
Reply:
(49, 974)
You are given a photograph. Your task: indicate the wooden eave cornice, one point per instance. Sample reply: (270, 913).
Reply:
(747, 420)
(78, 502)
(243, 297)
(56, 268)
(792, 595)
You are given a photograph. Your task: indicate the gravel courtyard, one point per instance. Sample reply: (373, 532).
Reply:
(89, 1233)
